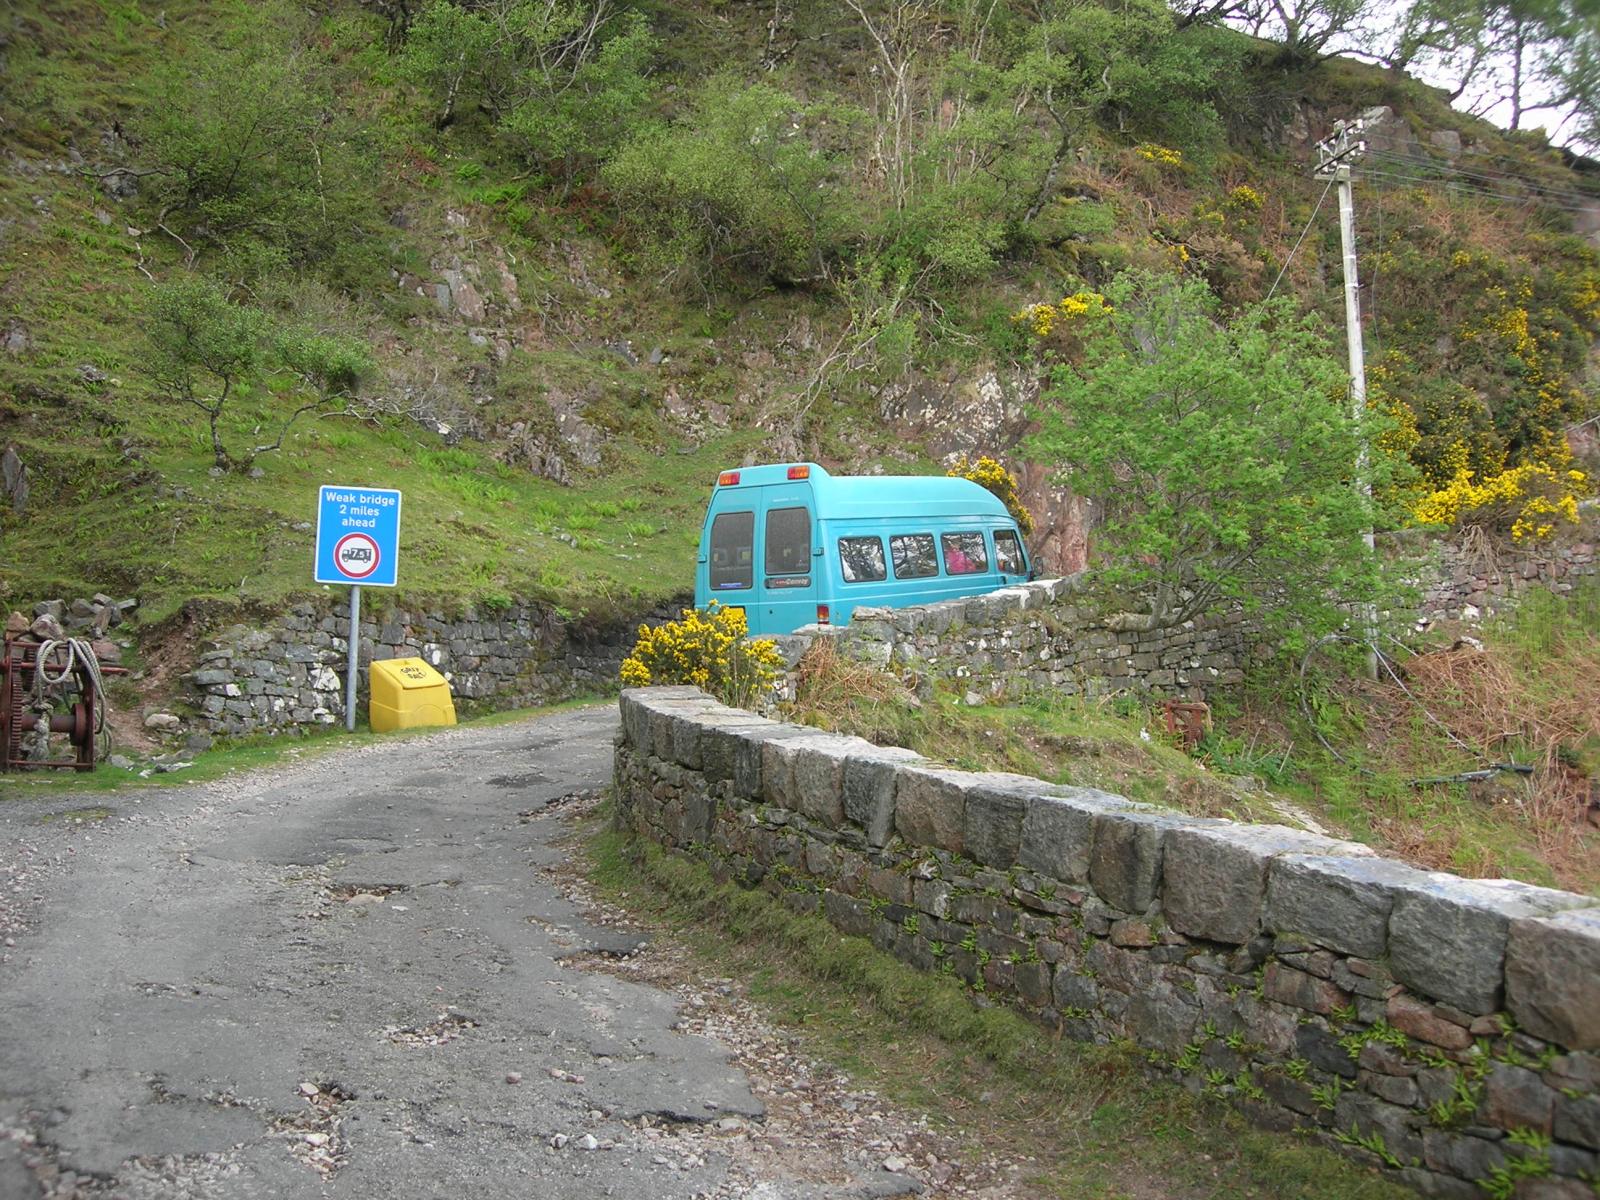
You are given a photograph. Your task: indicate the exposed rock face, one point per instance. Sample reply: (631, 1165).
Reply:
(13, 480)
(458, 294)
(1387, 133)
(1061, 520)
(989, 413)
(1586, 220)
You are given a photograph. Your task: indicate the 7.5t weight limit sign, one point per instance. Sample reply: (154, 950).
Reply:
(358, 535)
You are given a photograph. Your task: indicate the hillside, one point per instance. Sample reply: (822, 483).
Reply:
(552, 316)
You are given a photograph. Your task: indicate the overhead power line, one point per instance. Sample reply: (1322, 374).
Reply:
(1300, 239)
(1494, 177)
(1469, 188)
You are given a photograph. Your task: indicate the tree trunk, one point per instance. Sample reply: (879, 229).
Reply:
(1047, 187)
(1517, 44)
(218, 452)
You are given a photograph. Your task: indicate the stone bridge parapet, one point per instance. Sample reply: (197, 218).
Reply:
(1412, 1018)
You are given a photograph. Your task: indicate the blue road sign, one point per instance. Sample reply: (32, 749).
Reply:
(358, 535)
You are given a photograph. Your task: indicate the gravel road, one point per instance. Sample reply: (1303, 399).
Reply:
(354, 976)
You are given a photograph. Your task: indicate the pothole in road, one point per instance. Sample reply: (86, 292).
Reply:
(363, 893)
(526, 779)
(446, 1028)
(592, 956)
(76, 816)
(161, 989)
(314, 1133)
(581, 799)
(142, 1177)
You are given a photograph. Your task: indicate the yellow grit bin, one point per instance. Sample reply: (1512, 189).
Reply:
(406, 693)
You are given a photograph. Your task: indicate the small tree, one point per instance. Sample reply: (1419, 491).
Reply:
(206, 348)
(578, 119)
(1225, 456)
(247, 146)
(565, 80)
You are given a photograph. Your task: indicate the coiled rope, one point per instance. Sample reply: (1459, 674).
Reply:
(78, 650)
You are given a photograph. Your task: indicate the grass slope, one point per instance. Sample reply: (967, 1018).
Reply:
(1344, 755)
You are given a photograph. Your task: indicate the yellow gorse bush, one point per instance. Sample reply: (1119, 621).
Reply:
(709, 648)
(989, 473)
(1163, 155)
(1246, 198)
(1043, 319)
(1531, 499)
(1509, 328)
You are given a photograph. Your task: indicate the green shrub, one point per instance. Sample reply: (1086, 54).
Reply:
(735, 185)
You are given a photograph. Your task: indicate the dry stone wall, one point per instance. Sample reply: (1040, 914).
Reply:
(290, 672)
(1043, 636)
(1445, 1029)
(1047, 635)
(1460, 583)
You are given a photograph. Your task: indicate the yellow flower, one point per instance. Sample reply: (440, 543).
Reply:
(989, 473)
(1162, 155)
(708, 649)
(1245, 197)
(1523, 496)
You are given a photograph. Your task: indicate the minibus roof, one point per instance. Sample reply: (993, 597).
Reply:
(842, 497)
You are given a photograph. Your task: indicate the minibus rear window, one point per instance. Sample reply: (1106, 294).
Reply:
(788, 541)
(861, 559)
(964, 553)
(1007, 552)
(733, 551)
(913, 555)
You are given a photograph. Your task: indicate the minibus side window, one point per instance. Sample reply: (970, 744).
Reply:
(1007, 552)
(733, 551)
(913, 555)
(788, 541)
(861, 559)
(964, 553)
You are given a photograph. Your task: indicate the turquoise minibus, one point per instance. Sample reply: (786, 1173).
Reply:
(793, 545)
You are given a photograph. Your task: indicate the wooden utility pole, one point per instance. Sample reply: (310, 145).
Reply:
(1334, 158)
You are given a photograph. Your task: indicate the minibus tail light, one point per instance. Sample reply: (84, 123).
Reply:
(728, 479)
(800, 472)
(822, 614)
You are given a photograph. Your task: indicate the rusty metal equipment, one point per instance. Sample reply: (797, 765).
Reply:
(53, 687)
(1187, 719)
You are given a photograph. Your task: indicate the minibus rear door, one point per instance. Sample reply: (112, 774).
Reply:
(787, 584)
(729, 565)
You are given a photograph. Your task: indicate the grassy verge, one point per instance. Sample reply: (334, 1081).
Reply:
(1088, 1118)
(1524, 688)
(1117, 744)
(236, 755)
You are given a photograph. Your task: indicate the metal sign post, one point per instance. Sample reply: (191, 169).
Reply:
(358, 543)
(350, 666)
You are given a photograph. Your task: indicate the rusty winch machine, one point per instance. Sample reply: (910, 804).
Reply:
(52, 704)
